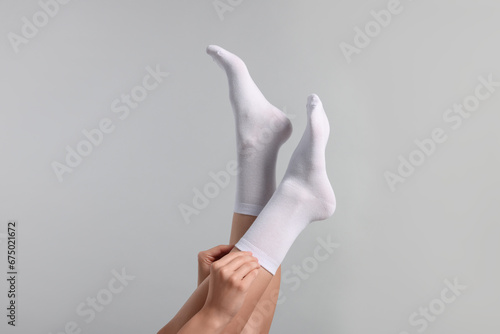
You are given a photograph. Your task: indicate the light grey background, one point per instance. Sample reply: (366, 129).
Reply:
(119, 208)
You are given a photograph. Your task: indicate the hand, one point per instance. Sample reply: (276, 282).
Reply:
(206, 258)
(230, 279)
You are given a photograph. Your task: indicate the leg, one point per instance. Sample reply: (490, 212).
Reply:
(253, 318)
(303, 196)
(261, 129)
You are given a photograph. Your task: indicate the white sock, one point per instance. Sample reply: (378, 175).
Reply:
(261, 129)
(303, 196)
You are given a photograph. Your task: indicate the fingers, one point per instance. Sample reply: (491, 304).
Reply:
(228, 258)
(213, 254)
(249, 278)
(237, 270)
(246, 268)
(238, 262)
(240, 272)
(219, 251)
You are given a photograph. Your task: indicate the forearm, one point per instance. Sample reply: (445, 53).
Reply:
(206, 321)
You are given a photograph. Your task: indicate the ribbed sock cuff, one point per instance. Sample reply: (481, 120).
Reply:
(264, 260)
(248, 209)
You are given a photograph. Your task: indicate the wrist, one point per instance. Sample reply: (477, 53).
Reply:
(214, 318)
(202, 277)
(202, 273)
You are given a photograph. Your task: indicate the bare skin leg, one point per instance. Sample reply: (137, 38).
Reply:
(256, 318)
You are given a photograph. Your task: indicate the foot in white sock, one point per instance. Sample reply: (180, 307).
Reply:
(303, 196)
(261, 129)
